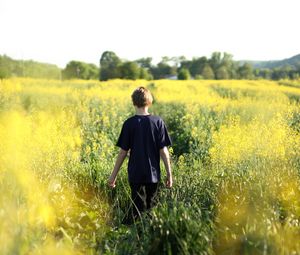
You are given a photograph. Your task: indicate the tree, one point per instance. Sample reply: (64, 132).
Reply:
(93, 71)
(207, 72)
(245, 71)
(80, 70)
(229, 66)
(109, 66)
(222, 73)
(187, 64)
(145, 67)
(197, 66)
(144, 74)
(163, 70)
(215, 60)
(284, 72)
(264, 73)
(130, 70)
(178, 60)
(5, 67)
(144, 62)
(222, 65)
(184, 74)
(27, 68)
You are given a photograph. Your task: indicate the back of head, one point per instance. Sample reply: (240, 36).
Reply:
(141, 97)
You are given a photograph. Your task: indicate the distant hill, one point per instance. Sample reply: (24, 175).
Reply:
(293, 62)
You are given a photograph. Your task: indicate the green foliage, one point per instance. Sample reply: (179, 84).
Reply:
(109, 66)
(198, 77)
(263, 73)
(130, 70)
(144, 62)
(197, 66)
(222, 73)
(5, 67)
(293, 62)
(207, 72)
(145, 74)
(176, 229)
(173, 114)
(184, 74)
(80, 70)
(216, 60)
(112, 67)
(163, 69)
(245, 71)
(218, 66)
(221, 66)
(27, 68)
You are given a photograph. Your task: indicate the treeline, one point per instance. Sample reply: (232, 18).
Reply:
(218, 66)
(27, 68)
(278, 73)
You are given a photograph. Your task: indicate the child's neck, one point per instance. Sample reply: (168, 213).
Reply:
(141, 111)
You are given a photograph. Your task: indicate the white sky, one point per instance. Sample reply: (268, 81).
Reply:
(57, 31)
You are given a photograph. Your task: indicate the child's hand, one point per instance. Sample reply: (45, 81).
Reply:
(169, 182)
(111, 182)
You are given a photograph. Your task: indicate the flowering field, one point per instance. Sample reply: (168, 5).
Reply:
(235, 158)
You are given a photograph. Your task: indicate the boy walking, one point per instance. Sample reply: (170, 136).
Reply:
(147, 138)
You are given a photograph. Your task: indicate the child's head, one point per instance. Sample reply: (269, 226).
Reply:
(141, 97)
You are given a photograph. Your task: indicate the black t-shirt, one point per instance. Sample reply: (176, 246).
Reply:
(144, 135)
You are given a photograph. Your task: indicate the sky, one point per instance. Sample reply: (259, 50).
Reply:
(58, 31)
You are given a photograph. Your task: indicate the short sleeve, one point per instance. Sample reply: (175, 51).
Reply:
(164, 138)
(124, 138)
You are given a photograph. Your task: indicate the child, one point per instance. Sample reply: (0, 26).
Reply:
(147, 138)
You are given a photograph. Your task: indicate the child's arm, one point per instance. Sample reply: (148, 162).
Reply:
(164, 153)
(112, 179)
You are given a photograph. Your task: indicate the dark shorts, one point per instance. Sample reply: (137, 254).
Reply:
(143, 197)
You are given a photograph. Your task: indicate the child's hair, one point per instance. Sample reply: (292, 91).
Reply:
(141, 97)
